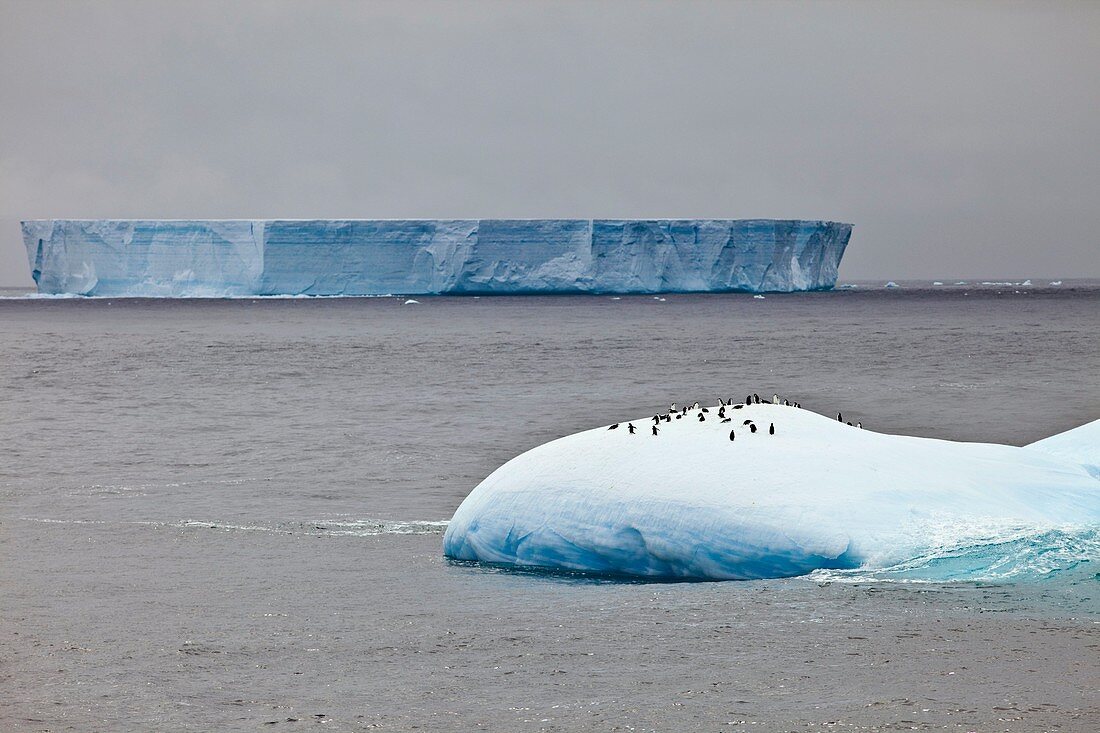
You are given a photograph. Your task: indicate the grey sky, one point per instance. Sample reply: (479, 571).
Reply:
(960, 139)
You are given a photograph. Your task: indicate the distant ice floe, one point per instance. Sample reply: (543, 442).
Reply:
(892, 284)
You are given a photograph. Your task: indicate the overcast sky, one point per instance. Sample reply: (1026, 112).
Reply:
(962, 140)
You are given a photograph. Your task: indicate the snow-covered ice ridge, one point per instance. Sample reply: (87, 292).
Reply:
(706, 499)
(224, 258)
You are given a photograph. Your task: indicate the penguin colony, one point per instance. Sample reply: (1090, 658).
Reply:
(678, 413)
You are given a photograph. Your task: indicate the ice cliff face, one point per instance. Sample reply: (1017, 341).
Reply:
(374, 257)
(146, 258)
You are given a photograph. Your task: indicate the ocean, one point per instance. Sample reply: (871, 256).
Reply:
(228, 515)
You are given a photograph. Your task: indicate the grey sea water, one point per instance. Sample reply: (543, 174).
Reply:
(228, 514)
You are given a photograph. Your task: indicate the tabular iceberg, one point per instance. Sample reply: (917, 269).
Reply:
(150, 258)
(692, 503)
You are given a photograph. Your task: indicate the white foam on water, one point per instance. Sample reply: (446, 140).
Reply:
(979, 554)
(320, 527)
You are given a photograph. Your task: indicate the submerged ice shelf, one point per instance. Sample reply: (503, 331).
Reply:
(690, 503)
(220, 258)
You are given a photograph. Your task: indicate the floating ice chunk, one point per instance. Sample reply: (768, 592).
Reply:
(758, 297)
(892, 284)
(713, 500)
(937, 283)
(410, 301)
(1055, 283)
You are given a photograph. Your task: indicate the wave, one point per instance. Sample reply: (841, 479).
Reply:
(329, 528)
(1008, 555)
(341, 527)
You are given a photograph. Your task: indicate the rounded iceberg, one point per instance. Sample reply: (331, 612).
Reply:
(709, 500)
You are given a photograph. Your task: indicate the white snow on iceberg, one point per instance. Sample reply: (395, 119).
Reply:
(1080, 445)
(690, 503)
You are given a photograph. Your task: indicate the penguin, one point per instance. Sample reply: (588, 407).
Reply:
(678, 416)
(613, 426)
(703, 409)
(727, 419)
(656, 419)
(748, 400)
(752, 428)
(684, 411)
(696, 405)
(702, 417)
(731, 435)
(721, 402)
(775, 399)
(721, 411)
(672, 407)
(747, 422)
(668, 419)
(786, 403)
(839, 417)
(849, 424)
(655, 429)
(771, 429)
(859, 425)
(755, 398)
(631, 428)
(738, 407)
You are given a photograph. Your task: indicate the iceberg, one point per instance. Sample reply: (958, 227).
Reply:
(711, 500)
(226, 258)
(1079, 446)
